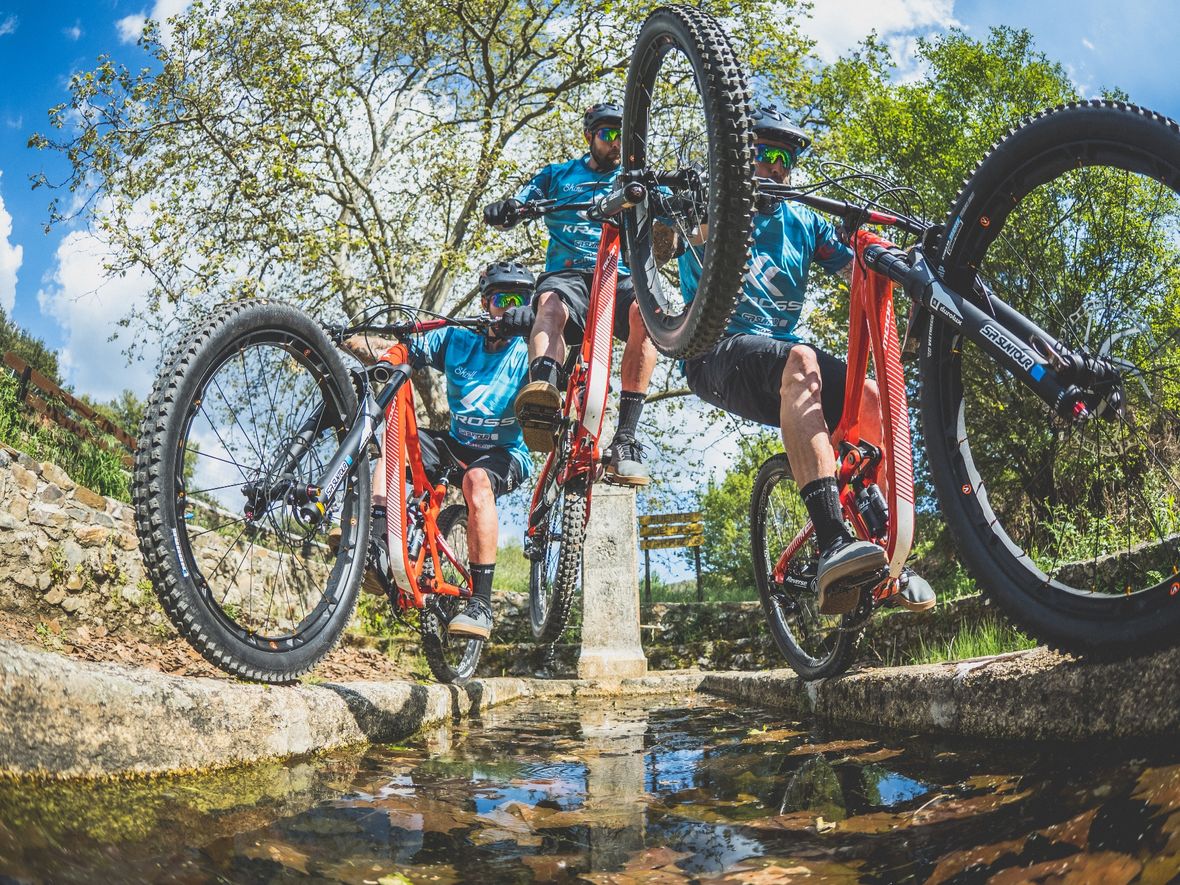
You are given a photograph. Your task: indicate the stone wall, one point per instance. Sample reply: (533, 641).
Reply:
(68, 552)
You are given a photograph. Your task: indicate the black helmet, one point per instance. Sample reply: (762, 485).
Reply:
(505, 276)
(599, 114)
(770, 123)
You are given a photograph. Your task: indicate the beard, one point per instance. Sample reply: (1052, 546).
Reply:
(607, 159)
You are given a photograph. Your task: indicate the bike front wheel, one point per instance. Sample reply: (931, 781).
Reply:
(686, 126)
(248, 410)
(556, 548)
(1073, 528)
(815, 645)
(452, 659)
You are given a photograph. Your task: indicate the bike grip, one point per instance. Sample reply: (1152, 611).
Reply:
(623, 198)
(888, 261)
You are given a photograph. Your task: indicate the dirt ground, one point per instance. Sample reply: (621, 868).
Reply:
(349, 661)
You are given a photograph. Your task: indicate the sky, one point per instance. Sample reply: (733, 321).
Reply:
(52, 284)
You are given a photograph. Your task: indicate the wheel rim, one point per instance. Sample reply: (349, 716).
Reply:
(1092, 254)
(269, 578)
(794, 612)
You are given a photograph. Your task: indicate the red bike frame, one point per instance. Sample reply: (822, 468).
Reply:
(585, 395)
(401, 449)
(872, 326)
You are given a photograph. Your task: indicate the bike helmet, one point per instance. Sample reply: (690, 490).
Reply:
(770, 123)
(597, 115)
(505, 276)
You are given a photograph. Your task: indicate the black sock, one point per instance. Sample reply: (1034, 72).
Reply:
(630, 408)
(545, 368)
(822, 498)
(481, 582)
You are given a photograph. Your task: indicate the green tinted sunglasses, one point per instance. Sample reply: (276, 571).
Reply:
(508, 299)
(609, 133)
(769, 154)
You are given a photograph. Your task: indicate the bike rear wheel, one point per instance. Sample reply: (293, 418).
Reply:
(452, 659)
(815, 645)
(687, 114)
(1074, 220)
(556, 550)
(254, 586)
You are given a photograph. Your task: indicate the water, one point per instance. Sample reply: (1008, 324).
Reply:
(627, 792)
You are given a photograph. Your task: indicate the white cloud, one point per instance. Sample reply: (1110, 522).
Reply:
(1087, 44)
(74, 31)
(8, 25)
(131, 26)
(839, 26)
(87, 303)
(11, 256)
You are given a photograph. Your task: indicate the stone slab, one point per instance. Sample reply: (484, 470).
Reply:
(610, 588)
(1032, 695)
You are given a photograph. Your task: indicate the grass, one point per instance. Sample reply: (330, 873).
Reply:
(86, 462)
(512, 569)
(989, 636)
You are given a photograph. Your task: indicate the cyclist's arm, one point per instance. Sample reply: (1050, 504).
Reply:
(537, 187)
(430, 350)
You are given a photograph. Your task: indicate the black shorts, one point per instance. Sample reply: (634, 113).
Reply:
(573, 288)
(502, 469)
(744, 374)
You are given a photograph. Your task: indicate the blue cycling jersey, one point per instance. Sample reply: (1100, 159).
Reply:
(785, 244)
(481, 387)
(573, 241)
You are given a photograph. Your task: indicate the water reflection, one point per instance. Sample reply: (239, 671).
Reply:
(615, 793)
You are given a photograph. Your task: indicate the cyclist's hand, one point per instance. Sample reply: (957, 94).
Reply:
(766, 204)
(503, 214)
(367, 348)
(516, 321)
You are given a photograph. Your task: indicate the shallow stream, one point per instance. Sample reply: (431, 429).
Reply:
(643, 790)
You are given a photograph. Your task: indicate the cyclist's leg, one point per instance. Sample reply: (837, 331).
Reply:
(625, 463)
(490, 474)
(560, 320)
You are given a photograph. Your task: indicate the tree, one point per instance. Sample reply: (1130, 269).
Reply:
(725, 509)
(29, 348)
(336, 154)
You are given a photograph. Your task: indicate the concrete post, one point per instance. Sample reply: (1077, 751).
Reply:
(610, 588)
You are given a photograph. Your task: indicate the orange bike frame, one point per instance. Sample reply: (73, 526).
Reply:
(585, 396)
(401, 448)
(872, 326)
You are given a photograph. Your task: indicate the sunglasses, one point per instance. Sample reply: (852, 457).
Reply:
(508, 299)
(769, 154)
(610, 133)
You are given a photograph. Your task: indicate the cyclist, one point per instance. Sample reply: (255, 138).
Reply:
(483, 374)
(762, 371)
(564, 299)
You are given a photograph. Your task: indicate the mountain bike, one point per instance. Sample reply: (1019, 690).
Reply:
(1045, 314)
(560, 505)
(252, 493)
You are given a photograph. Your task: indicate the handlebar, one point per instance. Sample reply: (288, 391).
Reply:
(606, 205)
(850, 212)
(478, 323)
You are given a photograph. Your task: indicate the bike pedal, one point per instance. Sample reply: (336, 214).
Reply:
(844, 596)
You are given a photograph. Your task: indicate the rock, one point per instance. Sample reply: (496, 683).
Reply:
(72, 603)
(5, 458)
(74, 582)
(74, 555)
(47, 515)
(56, 475)
(28, 463)
(103, 520)
(43, 581)
(26, 578)
(126, 541)
(82, 633)
(25, 478)
(91, 535)
(91, 499)
(51, 493)
(7, 521)
(18, 509)
(55, 596)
